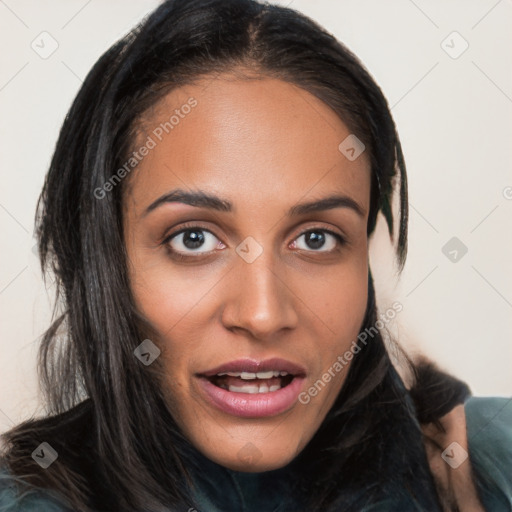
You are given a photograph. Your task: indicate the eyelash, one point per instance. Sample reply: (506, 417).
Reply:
(193, 227)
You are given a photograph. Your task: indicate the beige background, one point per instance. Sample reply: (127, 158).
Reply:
(454, 119)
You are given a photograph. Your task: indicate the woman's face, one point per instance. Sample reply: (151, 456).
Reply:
(249, 282)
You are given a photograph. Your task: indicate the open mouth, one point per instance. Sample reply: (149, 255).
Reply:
(251, 388)
(252, 383)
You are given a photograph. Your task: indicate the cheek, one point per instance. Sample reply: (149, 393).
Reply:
(340, 304)
(339, 301)
(166, 298)
(178, 306)
(350, 307)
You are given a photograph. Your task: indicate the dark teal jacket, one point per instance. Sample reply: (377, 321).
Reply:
(489, 431)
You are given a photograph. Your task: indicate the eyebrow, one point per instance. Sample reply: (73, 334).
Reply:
(202, 199)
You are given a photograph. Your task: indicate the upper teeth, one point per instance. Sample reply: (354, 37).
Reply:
(257, 375)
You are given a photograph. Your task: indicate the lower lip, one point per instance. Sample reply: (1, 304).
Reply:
(249, 405)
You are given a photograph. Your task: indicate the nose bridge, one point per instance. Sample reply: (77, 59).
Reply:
(262, 303)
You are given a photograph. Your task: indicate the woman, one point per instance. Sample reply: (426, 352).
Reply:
(207, 215)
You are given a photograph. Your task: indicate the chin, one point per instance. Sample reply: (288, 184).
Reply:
(252, 457)
(255, 466)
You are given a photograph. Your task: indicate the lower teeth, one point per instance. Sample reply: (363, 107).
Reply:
(252, 389)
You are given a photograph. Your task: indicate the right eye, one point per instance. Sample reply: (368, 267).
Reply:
(192, 240)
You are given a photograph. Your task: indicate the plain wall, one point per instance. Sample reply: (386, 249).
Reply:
(454, 120)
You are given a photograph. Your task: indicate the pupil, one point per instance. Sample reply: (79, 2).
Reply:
(315, 239)
(194, 238)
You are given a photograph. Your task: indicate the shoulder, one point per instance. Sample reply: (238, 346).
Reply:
(489, 435)
(16, 496)
(25, 484)
(469, 451)
(488, 419)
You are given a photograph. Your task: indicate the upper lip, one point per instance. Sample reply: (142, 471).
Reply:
(253, 366)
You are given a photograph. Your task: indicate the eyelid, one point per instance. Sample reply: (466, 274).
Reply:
(190, 226)
(318, 227)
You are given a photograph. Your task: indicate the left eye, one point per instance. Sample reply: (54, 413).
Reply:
(316, 239)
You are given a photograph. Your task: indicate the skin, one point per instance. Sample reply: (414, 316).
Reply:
(265, 145)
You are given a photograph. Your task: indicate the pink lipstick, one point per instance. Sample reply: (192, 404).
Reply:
(252, 389)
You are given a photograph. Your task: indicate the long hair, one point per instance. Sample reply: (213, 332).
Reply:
(370, 441)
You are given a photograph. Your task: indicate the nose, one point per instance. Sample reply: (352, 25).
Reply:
(260, 301)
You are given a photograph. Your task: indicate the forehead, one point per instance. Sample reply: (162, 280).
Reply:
(258, 141)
